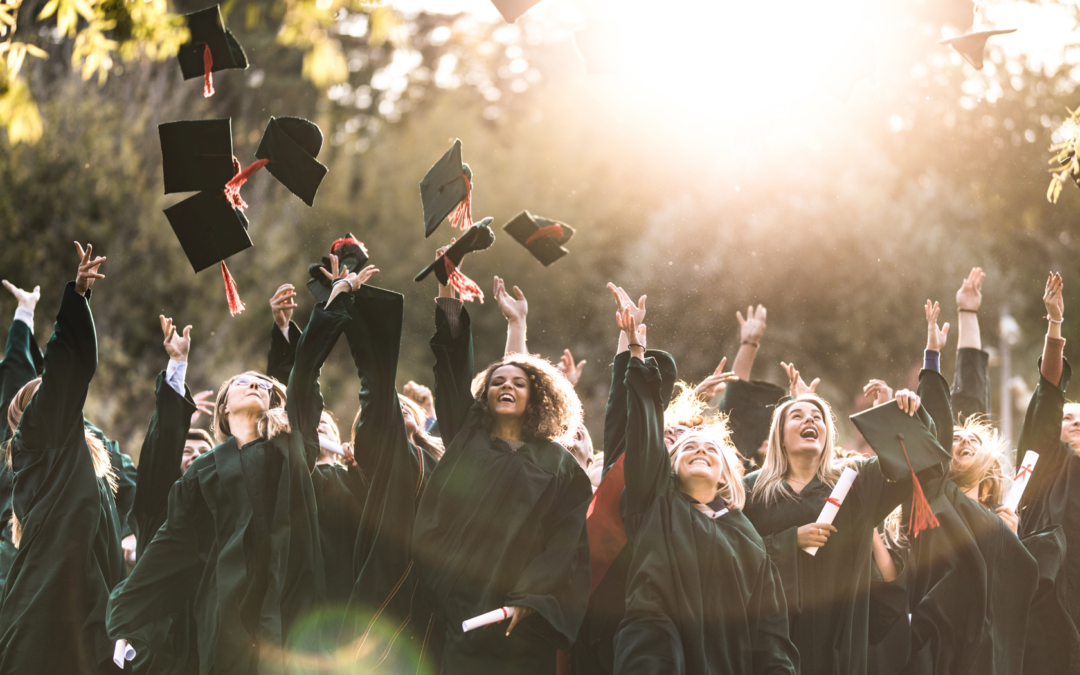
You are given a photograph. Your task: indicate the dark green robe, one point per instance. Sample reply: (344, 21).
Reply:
(971, 383)
(242, 536)
(52, 619)
(702, 597)
(499, 527)
(125, 471)
(279, 361)
(890, 629)
(388, 626)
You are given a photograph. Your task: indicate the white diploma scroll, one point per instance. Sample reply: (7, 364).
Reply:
(330, 446)
(122, 652)
(1012, 499)
(494, 616)
(832, 504)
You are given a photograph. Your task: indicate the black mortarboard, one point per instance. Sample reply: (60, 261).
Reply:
(973, 45)
(290, 145)
(476, 238)
(445, 187)
(209, 229)
(208, 30)
(351, 253)
(512, 9)
(599, 46)
(541, 236)
(855, 62)
(196, 154)
(749, 407)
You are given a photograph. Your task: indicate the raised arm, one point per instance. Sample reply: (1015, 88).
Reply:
(453, 349)
(933, 389)
(17, 368)
(615, 413)
(971, 381)
(284, 335)
(647, 466)
(751, 330)
(516, 313)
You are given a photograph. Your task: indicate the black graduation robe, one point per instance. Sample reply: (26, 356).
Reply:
(126, 472)
(702, 597)
(388, 626)
(890, 629)
(499, 527)
(52, 618)
(971, 383)
(282, 354)
(244, 542)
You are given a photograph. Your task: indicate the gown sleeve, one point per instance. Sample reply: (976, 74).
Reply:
(647, 466)
(453, 373)
(279, 361)
(774, 652)
(159, 460)
(1041, 432)
(16, 369)
(126, 474)
(971, 383)
(615, 412)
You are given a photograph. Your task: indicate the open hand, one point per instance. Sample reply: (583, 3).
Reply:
(752, 326)
(935, 337)
(513, 310)
(344, 280)
(635, 332)
(1053, 298)
(26, 300)
(177, 345)
(624, 301)
(712, 385)
(566, 367)
(878, 392)
(88, 269)
(282, 305)
(969, 297)
(204, 405)
(796, 386)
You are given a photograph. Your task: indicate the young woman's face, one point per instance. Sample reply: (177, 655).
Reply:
(965, 446)
(248, 395)
(804, 429)
(699, 458)
(508, 393)
(192, 451)
(1070, 424)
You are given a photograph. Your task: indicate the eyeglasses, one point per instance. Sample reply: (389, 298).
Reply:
(245, 381)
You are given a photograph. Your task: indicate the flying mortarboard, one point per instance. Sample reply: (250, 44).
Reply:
(904, 445)
(446, 190)
(211, 230)
(351, 253)
(544, 238)
(512, 9)
(973, 45)
(599, 44)
(476, 238)
(212, 47)
(855, 62)
(290, 146)
(196, 155)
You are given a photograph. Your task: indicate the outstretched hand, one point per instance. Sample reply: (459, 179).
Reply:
(88, 269)
(26, 300)
(752, 326)
(177, 345)
(878, 392)
(969, 297)
(513, 310)
(712, 385)
(796, 386)
(623, 300)
(282, 305)
(344, 280)
(635, 332)
(1053, 299)
(935, 337)
(204, 405)
(567, 367)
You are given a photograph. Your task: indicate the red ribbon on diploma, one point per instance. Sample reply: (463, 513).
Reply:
(834, 501)
(1025, 470)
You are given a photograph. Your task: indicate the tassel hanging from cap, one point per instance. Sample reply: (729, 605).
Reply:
(466, 287)
(555, 231)
(235, 306)
(922, 516)
(232, 188)
(208, 76)
(462, 215)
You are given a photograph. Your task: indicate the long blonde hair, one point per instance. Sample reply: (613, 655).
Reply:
(989, 469)
(273, 422)
(732, 489)
(769, 487)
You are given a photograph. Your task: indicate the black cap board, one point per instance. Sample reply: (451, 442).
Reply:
(291, 144)
(351, 253)
(512, 9)
(196, 154)
(973, 45)
(854, 63)
(208, 30)
(543, 237)
(900, 439)
(444, 187)
(476, 238)
(599, 44)
(209, 229)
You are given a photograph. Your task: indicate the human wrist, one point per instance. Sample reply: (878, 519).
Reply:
(754, 344)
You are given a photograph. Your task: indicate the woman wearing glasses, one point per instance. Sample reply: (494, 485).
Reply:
(242, 535)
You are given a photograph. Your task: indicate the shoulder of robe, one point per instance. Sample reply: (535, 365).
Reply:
(554, 458)
(736, 522)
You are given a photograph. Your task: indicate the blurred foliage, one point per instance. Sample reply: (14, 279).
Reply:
(842, 220)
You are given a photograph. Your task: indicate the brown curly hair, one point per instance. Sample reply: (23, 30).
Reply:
(554, 410)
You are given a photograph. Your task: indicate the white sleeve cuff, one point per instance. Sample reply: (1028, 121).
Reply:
(285, 332)
(26, 316)
(174, 375)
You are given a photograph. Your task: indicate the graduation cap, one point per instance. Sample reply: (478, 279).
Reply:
(351, 253)
(973, 45)
(512, 9)
(210, 230)
(290, 145)
(446, 190)
(196, 155)
(476, 238)
(212, 47)
(599, 44)
(855, 62)
(905, 445)
(541, 236)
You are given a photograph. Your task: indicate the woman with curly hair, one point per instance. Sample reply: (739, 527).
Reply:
(502, 519)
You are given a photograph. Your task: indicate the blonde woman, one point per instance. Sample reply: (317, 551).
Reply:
(827, 594)
(702, 595)
(242, 534)
(65, 525)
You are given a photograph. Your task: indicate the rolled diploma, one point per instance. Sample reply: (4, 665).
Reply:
(1012, 499)
(122, 651)
(829, 511)
(494, 616)
(330, 446)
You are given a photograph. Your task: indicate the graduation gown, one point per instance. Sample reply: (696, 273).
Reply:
(828, 594)
(971, 383)
(52, 618)
(125, 471)
(242, 536)
(499, 527)
(702, 597)
(388, 626)
(890, 629)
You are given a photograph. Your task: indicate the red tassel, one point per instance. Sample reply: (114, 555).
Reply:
(466, 287)
(922, 516)
(232, 188)
(345, 241)
(462, 215)
(554, 231)
(235, 306)
(208, 77)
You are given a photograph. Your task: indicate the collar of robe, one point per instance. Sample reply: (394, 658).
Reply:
(712, 510)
